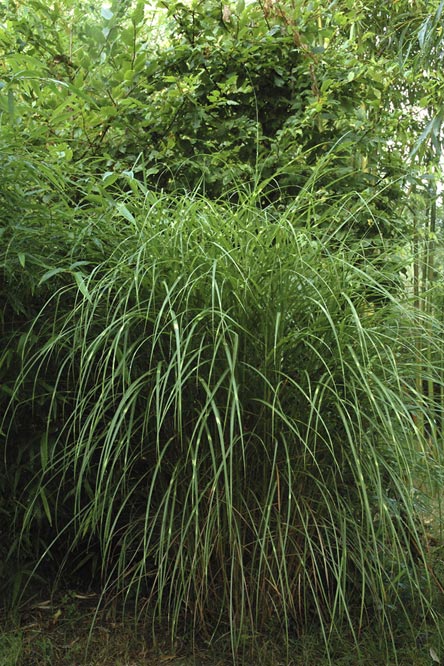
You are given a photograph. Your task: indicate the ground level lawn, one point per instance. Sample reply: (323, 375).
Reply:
(69, 631)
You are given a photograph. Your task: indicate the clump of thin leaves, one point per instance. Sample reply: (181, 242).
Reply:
(230, 403)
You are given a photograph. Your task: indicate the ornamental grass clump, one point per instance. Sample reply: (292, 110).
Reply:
(229, 421)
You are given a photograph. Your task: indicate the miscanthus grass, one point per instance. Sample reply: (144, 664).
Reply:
(231, 412)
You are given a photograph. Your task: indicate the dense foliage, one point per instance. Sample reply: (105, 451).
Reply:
(221, 322)
(215, 96)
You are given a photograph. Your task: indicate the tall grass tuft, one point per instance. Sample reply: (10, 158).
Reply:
(230, 402)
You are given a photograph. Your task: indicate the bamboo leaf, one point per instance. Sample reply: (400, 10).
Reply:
(49, 274)
(82, 286)
(124, 212)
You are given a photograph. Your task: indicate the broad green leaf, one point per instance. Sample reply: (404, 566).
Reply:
(82, 286)
(138, 13)
(49, 274)
(128, 35)
(124, 212)
(74, 89)
(432, 131)
(109, 177)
